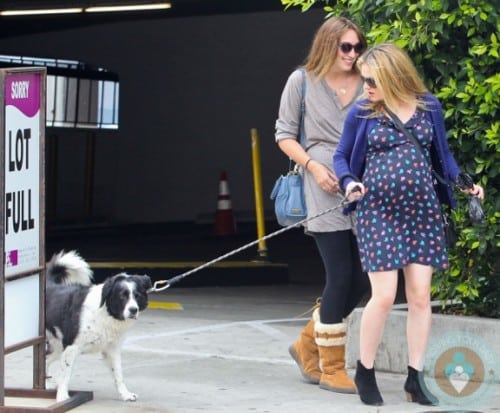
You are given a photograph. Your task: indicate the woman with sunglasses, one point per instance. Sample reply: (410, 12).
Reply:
(399, 215)
(332, 85)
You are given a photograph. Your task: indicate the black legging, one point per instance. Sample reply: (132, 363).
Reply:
(346, 284)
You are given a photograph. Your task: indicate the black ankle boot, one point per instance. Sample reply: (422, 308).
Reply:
(416, 390)
(367, 386)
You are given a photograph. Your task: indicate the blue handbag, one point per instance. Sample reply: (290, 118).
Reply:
(288, 190)
(288, 196)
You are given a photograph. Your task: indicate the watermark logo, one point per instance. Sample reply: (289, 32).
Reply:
(461, 369)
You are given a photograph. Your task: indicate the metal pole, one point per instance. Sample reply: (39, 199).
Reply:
(259, 203)
(39, 349)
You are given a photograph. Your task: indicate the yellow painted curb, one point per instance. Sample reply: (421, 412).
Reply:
(188, 264)
(160, 305)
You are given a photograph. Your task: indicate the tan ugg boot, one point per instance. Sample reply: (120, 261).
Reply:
(305, 352)
(331, 339)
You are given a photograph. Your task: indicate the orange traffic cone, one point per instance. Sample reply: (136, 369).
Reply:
(224, 219)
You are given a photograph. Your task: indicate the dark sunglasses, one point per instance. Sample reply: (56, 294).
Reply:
(370, 81)
(347, 47)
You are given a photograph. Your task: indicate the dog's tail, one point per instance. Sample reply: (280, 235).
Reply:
(69, 268)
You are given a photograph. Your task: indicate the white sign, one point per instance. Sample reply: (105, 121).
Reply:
(22, 305)
(22, 172)
(23, 182)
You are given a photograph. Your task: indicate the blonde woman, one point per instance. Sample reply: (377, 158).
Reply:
(332, 85)
(399, 215)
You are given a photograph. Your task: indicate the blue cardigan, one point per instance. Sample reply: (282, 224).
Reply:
(350, 155)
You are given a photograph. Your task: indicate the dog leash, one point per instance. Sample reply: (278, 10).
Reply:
(162, 285)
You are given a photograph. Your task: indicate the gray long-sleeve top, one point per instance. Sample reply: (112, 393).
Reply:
(323, 122)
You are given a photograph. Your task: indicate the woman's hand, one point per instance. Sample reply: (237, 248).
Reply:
(324, 177)
(476, 190)
(465, 183)
(355, 191)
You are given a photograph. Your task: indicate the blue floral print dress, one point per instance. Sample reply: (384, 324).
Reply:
(399, 218)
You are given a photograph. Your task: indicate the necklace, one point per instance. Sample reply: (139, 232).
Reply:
(340, 90)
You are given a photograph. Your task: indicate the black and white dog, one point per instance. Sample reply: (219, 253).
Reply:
(82, 317)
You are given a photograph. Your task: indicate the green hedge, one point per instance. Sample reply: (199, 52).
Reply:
(456, 46)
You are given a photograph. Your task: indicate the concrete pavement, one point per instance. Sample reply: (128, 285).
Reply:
(224, 349)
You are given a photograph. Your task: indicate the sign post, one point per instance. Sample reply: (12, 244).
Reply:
(22, 244)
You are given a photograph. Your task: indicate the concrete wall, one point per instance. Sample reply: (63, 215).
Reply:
(191, 90)
(392, 354)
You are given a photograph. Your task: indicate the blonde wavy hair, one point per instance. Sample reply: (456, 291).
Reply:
(394, 72)
(325, 45)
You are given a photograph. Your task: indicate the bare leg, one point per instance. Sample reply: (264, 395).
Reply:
(384, 286)
(418, 286)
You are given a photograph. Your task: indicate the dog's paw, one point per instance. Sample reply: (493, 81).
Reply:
(128, 396)
(61, 396)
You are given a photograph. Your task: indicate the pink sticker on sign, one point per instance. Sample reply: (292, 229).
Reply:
(23, 91)
(11, 258)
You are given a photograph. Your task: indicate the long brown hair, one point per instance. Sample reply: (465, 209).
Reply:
(325, 45)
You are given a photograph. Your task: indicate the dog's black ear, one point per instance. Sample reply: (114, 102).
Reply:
(106, 290)
(108, 285)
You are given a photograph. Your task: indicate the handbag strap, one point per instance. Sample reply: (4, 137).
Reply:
(462, 177)
(399, 125)
(302, 133)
